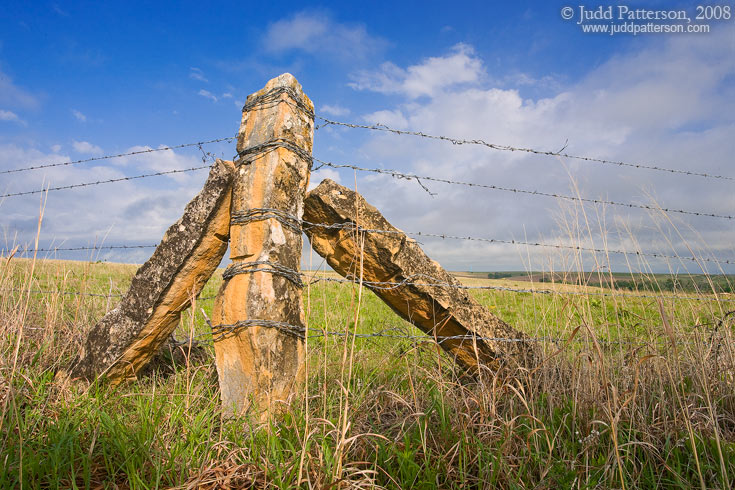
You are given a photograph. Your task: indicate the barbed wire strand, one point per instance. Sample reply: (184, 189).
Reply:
(402, 175)
(395, 174)
(229, 139)
(109, 181)
(80, 293)
(388, 285)
(221, 331)
(74, 249)
(315, 278)
(274, 99)
(442, 236)
(499, 147)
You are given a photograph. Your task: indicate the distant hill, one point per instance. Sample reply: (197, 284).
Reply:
(719, 283)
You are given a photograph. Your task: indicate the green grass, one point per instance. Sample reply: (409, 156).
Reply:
(659, 412)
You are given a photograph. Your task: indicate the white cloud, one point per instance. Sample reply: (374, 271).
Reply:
(86, 148)
(56, 148)
(321, 174)
(318, 33)
(79, 116)
(335, 110)
(207, 94)
(638, 107)
(394, 118)
(197, 74)
(161, 161)
(127, 212)
(10, 116)
(13, 96)
(429, 78)
(227, 95)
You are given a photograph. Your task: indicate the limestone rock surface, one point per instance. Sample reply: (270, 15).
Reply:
(440, 311)
(126, 338)
(259, 364)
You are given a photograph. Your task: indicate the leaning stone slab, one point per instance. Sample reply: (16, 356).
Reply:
(428, 300)
(128, 336)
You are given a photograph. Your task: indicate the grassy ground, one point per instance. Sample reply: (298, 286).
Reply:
(638, 393)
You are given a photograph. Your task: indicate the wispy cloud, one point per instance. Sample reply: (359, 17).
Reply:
(11, 116)
(78, 115)
(335, 110)
(427, 78)
(86, 148)
(13, 96)
(318, 33)
(207, 94)
(197, 74)
(59, 11)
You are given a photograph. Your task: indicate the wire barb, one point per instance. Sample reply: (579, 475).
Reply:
(493, 146)
(396, 174)
(199, 144)
(120, 179)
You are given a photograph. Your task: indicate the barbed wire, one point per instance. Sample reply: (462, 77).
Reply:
(395, 174)
(62, 293)
(480, 142)
(80, 293)
(272, 97)
(292, 222)
(75, 249)
(493, 146)
(229, 139)
(390, 285)
(220, 332)
(315, 278)
(402, 175)
(573, 247)
(109, 181)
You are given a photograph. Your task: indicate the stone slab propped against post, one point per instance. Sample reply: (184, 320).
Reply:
(126, 338)
(258, 314)
(440, 311)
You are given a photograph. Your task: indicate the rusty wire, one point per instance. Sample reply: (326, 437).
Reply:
(257, 214)
(402, 175)
(493, 146)
(222, 331)
(229, 139)
(109, 181)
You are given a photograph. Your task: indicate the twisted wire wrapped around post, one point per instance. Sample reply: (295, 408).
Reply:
(261, 214)
(277, 269)
(248, 155)
(222, 331)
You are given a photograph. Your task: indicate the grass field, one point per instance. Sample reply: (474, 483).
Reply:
(633, 392)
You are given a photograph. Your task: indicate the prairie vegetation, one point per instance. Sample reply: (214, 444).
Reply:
(634, 392)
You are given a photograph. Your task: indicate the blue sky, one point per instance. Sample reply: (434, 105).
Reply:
(83, 79)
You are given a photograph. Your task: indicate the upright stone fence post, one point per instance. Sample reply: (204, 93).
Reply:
(258, 318)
